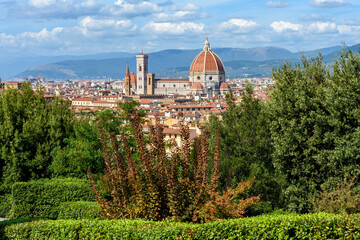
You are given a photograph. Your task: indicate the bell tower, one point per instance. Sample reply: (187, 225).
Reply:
(141, 71)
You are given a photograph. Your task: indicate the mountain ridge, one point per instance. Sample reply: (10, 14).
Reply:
(257, 61)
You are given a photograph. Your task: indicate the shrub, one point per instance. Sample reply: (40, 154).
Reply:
(41, 198)
(152, 185)
(79, 210)
(5, 205)
(309, 226)
(338, 197)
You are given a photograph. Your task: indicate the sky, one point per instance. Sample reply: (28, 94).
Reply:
(78, 27)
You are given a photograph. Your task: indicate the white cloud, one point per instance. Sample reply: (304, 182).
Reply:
(178, 16)
(322, 27)
(186, 7)
(349, 29)
(91, 24)
(315, 17)
(7, 40)
(283, 26)
(130, 9)
(51, 9)
(279, 4)
(238, 25)
(41, 3)
(173, 28)
(328, 3)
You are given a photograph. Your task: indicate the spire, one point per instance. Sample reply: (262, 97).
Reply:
(207, 45)
(127, 73)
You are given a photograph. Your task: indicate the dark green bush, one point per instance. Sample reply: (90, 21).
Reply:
(41, 199)
(79, 210)
(291, 226)
(5, 205)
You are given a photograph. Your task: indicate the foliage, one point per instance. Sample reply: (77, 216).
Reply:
(155, 186)
(5, 205)
(246, 149)
(79, 210)
(30, 128)
(83, 149)
(315, 124)
(339, 197)
(42, 198)
(310, 226)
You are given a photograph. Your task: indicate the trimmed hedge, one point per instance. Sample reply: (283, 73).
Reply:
(5, 205)
(40, 199)
(79, 210)
(309, 226)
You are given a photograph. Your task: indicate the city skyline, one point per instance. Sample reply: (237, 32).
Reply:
(58, 27)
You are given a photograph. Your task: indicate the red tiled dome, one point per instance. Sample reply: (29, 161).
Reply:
(197, 86)
(224, 85)
(207, 61)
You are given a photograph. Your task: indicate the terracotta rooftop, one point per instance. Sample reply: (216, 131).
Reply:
(197, 86)
(224, 85)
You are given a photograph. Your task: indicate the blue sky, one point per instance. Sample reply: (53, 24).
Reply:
(76, 27)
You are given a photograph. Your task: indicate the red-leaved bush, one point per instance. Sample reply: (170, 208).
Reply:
(145, 182)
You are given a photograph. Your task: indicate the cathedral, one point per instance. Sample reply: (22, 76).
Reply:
(207, 76)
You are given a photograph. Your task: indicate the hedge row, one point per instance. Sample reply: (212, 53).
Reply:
(310, 226)
(79, 210)
(5, 205)
(41, 199)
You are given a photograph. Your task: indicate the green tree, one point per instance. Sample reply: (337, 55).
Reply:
(315, 125)
(30, 128)
(298, 126)
(83, 149)
(246, 148)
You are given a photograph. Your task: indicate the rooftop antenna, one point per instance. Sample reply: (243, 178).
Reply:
(142, 49)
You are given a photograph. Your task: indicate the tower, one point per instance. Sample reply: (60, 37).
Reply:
(141, 71)
(150, 83)
(127, 87)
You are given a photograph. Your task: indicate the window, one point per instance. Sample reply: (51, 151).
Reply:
(163, 85)
(139, 68)
(210, 78)
(184, 85)
(174, 85)
(145, 68)
(198, 77)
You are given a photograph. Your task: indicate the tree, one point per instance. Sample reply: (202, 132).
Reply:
(315, 125)
(30, 127)
(246, 148)
(83, 149)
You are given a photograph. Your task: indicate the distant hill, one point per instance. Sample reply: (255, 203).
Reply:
(239, 62)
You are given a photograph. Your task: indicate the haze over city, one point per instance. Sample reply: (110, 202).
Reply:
(58, 27)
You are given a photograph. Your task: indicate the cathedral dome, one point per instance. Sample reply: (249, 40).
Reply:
(207, 60)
